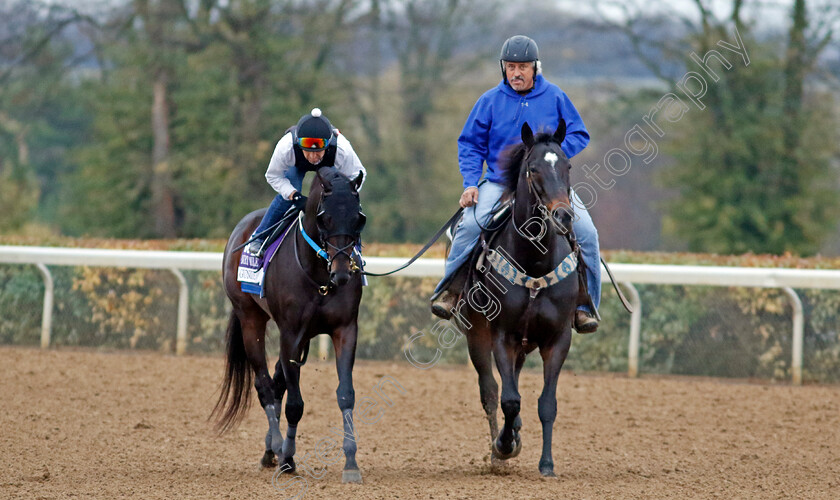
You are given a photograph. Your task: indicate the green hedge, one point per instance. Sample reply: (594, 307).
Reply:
(715, 331)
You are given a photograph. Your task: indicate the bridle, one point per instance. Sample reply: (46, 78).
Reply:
(347, 250)
(546, 210)
(324, 243)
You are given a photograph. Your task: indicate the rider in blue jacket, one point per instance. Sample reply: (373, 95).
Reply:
(495, 124)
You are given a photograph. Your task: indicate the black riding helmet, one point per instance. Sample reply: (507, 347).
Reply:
(314, 131)
(519, 48)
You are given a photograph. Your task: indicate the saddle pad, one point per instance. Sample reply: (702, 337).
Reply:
(251, 271)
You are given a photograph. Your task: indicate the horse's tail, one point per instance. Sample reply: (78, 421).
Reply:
(235, 391)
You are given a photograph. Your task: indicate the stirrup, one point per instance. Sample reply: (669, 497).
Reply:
(255, 248)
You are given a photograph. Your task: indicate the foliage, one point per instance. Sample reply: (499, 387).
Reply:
(754, 170)
(733, 332)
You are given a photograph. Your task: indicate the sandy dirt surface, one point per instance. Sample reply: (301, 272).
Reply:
(84, 424)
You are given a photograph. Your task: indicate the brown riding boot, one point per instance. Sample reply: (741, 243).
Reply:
(585, 322)
(443, 303)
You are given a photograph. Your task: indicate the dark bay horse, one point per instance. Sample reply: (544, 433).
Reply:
(525, 293)
(307, 293)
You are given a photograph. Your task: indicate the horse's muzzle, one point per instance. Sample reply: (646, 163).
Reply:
(341, 270)
(339, 278)
(562, 216)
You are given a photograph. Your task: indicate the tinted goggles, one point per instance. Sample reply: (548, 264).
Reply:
(312, 142)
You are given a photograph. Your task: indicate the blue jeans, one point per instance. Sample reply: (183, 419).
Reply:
(468, 232)
(280, 205)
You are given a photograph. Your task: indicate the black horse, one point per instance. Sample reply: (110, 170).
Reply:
(307, 292)
(525, 292)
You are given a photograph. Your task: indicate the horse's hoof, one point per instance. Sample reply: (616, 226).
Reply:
(547, 472)
(513, 453)
(517, 446)
(288, 466)
(351, 476)
(268, 461)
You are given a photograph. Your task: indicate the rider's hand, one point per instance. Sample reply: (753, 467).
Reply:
(298, 200)
(469, 197)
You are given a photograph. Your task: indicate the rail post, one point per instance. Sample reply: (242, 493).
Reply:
(635, 330)
(798, 334)
(183, 312)
(46, 317)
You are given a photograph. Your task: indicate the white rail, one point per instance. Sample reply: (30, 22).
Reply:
(628, 274)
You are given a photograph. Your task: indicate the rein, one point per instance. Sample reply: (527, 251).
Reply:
(451, 222)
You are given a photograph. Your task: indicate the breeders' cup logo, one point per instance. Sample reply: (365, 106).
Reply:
(248, 260)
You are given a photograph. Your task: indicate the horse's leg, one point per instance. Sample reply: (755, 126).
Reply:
(520, 362)
(344, 343)
(480, 345)
(553, 358)
(253, 330)
(294, 403)
(273, 437)
(507, 444)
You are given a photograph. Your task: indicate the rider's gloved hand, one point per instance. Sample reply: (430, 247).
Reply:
(298, 200)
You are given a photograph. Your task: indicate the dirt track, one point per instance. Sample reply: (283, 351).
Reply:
(109, 425)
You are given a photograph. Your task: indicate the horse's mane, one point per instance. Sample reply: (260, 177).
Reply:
(511, 161)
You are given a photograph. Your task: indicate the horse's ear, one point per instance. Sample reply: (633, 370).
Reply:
(325, 184)
(560, 133)
(357, 182)
(527, 135)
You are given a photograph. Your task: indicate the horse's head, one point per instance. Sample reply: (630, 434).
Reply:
(538, 170)
(338, 214)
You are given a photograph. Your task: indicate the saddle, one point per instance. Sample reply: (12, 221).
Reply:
(477, 259)
(251, 270)
(283, 226)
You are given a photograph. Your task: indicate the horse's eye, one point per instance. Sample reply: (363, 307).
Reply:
(324, 220)
(361, 224)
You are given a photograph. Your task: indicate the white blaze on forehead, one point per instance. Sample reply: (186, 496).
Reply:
(551, 158)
